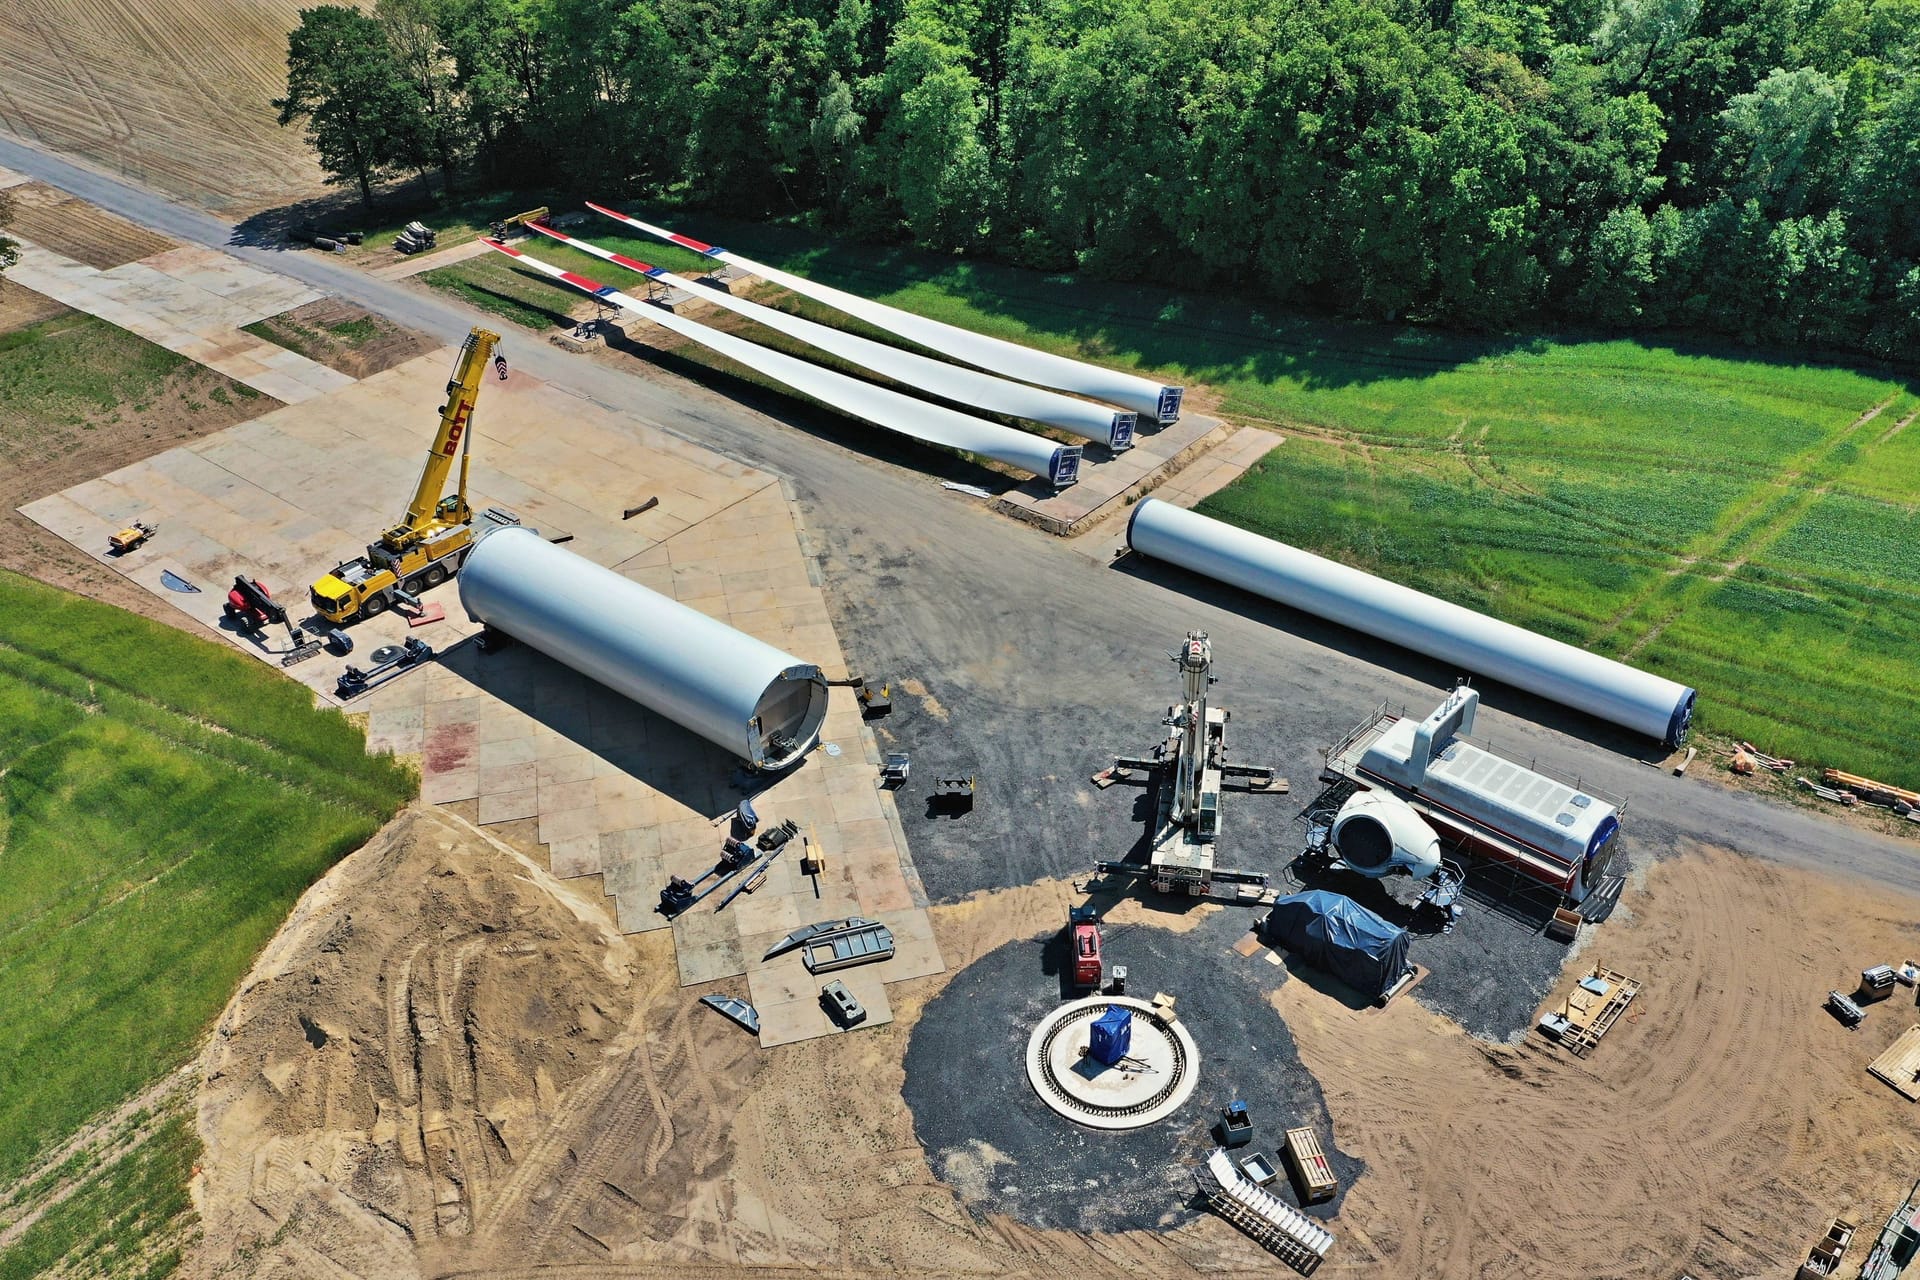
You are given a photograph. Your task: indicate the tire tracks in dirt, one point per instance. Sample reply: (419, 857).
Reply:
(1723, 1121)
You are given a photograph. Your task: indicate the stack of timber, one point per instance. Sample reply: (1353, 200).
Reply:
(1880, 793)
(1899, 1066)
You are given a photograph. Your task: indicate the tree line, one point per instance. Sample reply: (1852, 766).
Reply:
(1744, 167)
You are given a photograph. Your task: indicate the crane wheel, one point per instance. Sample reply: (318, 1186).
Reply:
(436, 575)
(412, 586)
(373, 605)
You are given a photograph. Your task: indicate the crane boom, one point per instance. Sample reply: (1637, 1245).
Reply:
(431, 541)
(456, 415)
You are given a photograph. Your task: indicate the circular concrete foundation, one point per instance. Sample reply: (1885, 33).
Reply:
(1157, 1075)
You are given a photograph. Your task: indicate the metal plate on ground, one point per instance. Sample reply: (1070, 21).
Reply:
(738, 1010)
(301, 654)
(847, 948)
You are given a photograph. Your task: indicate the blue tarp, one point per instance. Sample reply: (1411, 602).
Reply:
(1339, 935)
(1112, 1036)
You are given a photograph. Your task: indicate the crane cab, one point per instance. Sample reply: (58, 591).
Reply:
(365, 585)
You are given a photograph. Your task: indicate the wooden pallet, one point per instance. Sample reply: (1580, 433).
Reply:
(1593, 1016)
(1312, 1172)
(1899, 1066)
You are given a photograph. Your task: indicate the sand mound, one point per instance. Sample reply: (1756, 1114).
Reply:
(399, 1049)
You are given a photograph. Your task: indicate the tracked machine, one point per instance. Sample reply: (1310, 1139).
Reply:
(1190, 770)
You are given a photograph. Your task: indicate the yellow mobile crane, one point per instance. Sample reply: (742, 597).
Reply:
(426, 548)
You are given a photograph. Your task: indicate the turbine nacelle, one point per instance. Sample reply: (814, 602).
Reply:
(1376, 834)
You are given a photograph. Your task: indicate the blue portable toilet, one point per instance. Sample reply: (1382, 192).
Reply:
(1112, 1036)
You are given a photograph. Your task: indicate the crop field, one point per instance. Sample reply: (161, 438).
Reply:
(1747, 527)
(125, 1211)
(165, 801)
(173, 95)
(1699, 517)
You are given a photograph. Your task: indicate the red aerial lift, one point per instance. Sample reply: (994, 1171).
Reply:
(1083, 930)
(252, 607)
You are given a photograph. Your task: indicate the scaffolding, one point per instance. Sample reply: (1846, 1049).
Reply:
(1492, 847)
(1282, 1230)
(1898, 1243)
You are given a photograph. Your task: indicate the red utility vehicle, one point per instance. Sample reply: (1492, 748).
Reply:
(1083, 926)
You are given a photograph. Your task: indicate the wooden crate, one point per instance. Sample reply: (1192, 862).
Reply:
(1308, 1165)
(1899, 1066)
(1565, 925)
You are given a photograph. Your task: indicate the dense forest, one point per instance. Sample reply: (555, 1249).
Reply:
(1744, 167)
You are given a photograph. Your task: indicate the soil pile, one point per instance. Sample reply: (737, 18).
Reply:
(400, 1049)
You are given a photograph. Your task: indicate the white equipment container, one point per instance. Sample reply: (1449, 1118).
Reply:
(763, 705)
(1470, 641)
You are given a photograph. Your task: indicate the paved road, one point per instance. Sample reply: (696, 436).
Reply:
(1039, 657)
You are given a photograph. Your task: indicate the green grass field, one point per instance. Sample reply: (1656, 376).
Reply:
(314, 341)
(1716, 517)
(127, 1217)
(163, 801)
(78, 373)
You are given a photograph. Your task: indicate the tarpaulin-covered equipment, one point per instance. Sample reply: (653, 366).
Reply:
(1342, 937)
(1112, 1036)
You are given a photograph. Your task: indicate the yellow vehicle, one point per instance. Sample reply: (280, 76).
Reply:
(426, 548)
(130, 537)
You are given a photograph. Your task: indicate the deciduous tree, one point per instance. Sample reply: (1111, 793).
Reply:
(363, 116)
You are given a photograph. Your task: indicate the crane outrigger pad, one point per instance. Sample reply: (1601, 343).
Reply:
(812, 932)
(847, 948)
(739, 1010)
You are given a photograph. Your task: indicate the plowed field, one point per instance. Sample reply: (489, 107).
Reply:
(172, 95)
